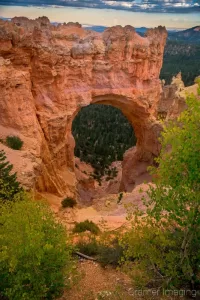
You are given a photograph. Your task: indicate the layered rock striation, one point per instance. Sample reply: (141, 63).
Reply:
(48, 73)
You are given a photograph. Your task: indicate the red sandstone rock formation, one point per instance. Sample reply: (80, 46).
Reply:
(48, 73)
(172, 100)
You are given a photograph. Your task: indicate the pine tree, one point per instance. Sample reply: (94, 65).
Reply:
(9, 186)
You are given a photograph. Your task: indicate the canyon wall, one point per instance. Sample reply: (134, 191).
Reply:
(48, 73)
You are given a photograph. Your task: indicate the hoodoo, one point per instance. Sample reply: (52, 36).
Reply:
(47, 73)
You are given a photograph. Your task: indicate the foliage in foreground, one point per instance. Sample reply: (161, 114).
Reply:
(9, 186)
(166, 241)
(35, 256)
(14, 142)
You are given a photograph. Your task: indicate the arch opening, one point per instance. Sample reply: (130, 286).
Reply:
(102, 135)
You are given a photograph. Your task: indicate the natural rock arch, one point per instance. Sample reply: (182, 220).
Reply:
(146, 129)
(48, 73)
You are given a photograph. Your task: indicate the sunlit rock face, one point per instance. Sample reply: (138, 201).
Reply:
(48, 73)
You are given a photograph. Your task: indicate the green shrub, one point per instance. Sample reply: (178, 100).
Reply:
(68, 202)
(197, 80)
(86, 226)
(14, 142)
(9, 186)
(106, 254)
(35, 256)
(110, 254)
(89, 248)
(151, 253)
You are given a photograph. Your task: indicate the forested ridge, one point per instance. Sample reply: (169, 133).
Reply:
(181, 56)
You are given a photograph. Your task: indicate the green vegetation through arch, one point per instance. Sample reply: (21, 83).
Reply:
(102, 135)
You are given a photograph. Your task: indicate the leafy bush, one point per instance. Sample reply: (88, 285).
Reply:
(9, 186)
(86, 226)
(166, 242)
(106, 254)
(89, 248)
(110, 254)
(35, 256)
(197, 80)
(14, 142)
(151, 253)
(69, 202)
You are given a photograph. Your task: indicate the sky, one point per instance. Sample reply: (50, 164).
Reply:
(138, 13)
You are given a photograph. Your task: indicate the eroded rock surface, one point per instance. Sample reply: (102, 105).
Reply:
(172, 100)
(48, 73)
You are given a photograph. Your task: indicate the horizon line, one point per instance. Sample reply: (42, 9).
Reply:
(85, 25)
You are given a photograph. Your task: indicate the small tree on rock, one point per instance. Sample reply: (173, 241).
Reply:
(9, 186)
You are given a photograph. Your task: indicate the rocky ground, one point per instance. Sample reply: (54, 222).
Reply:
(99, 283)
(94, 281)
(108, 208)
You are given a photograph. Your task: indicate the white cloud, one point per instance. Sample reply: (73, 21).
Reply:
(172, 6)
(117, 3)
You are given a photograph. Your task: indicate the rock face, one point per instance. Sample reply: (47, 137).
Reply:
(172, 100)
(48, 73)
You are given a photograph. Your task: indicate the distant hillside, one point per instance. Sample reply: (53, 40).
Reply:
(96, 28)
(181, 56)
(140, 30)
(191, 35)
